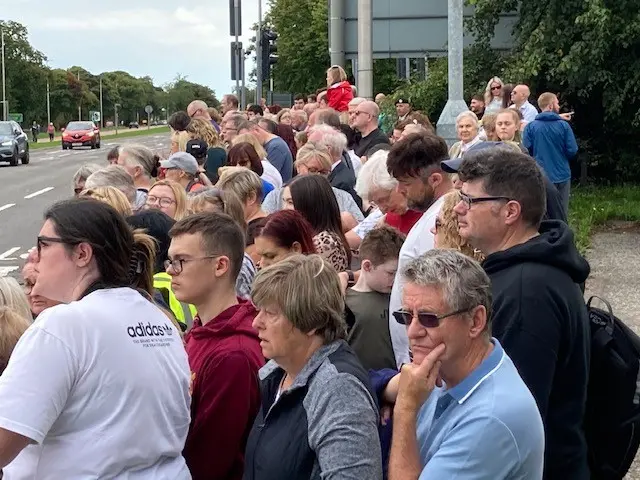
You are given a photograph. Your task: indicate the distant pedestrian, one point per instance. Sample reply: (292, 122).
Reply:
(51, 130)
(35, 128)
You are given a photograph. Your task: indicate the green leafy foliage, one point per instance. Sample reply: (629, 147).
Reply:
(28, 74)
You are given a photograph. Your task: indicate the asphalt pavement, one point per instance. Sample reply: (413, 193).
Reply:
(26, 191)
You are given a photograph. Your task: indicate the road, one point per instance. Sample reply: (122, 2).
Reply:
(27, 190)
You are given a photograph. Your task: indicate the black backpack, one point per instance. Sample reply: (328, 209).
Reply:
(612, 420)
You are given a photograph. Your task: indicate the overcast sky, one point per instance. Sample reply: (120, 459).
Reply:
(159, 38)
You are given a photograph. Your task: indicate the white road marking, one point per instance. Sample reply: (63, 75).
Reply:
(24, 256)
(8, 205)
(63, 155)
(39, 192)
(8, 253)
(4, 271)
(46, 158)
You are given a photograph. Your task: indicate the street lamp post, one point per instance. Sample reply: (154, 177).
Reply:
(455, 104)
(116, 115)
(4, 80)
(48, 105)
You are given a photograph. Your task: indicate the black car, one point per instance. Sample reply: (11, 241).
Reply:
(134, 125)
(14, 144)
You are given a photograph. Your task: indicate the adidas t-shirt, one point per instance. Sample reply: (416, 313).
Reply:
(102, 386)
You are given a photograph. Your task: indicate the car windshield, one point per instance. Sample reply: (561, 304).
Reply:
(5, 128)
(73, 126)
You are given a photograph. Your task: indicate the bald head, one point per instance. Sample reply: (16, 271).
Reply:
(380, 97)
(369, 107)
(520, 94)
(364, 117)
(356, 101)
(198, 109)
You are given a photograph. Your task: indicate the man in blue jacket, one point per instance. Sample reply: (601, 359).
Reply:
(550, 140)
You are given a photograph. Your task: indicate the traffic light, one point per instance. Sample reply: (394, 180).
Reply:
(268, 48)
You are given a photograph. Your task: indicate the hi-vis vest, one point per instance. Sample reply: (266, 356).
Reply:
(183, 312)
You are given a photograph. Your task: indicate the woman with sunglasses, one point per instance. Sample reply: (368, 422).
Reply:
(94, 372)
(493, 95)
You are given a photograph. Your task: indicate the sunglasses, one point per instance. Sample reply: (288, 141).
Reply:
(496, 88)
(426, 319)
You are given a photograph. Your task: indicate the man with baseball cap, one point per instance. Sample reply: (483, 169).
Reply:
(554, 210)
(198, 149)
(182, 168)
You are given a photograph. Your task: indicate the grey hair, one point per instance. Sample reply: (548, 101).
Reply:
(463, 282)
(374, 175)
(113, 176)
(331, 138)
(467, 113)
(85, 171)
(142, 156)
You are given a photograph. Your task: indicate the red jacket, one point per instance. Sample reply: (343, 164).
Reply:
(339, 95)
(224, 356)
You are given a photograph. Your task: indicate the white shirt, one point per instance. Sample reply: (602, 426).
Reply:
(529, 112)
(368, 224)
(271, 174)
(102, 386)
(419, 241)
(355, 162)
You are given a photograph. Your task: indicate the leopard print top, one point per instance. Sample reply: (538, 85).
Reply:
(330, 246)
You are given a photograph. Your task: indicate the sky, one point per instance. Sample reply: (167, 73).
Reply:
(158, 38)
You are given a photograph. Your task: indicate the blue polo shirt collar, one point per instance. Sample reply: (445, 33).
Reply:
(489, 365)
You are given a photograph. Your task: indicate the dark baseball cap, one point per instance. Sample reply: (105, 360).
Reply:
(453, 165)
(198, 148)
(403, 100)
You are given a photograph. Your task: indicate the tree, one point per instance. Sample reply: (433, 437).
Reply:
(303, 44)
(588, 52)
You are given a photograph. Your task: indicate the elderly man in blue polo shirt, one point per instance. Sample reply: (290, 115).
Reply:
(461, 411)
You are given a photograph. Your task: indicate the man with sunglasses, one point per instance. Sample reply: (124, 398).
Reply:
(460, 408)
(365, 121)
(204, 261)
(540, 315)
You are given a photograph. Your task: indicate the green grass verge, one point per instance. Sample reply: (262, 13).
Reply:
(592, 206)
(124, 133)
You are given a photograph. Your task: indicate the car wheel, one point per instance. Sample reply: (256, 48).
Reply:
(25, 158)
(13, 161)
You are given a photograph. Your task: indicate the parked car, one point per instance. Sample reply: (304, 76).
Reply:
(134, 125)
(81, 134)
(14, 143)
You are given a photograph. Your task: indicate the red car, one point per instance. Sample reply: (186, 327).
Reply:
(81, 134)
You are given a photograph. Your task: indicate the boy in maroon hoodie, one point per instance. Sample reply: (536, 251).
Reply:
(224, 351)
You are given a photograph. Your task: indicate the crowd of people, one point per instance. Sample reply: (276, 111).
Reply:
(315, 292)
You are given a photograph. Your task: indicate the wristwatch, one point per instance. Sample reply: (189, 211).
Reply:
(351, 279)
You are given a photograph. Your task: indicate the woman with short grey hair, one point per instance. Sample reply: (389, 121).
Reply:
(318, 417)
(116, 176)
(81, 176)
(141, 163)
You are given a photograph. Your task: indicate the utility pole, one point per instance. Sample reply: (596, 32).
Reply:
(4, 82)
(48, 105)
(115, 106)
(243, 98)
(101, 115)
(455, 104)
(80, 101)
(236, 10)
(364, 77)
(336, 32)
(259, 78)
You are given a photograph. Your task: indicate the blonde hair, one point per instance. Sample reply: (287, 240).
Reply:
(312, 150)
(282, 113)
(306, 289)
(202, 129)
(489, 125)
(224, 201)
(488, 96)
(251, 139)
(243, 182)
(181, 139)
(13, 297)
(12, 327)
(111, 196)
(449, 226)
(179, 195)
(335, 74)
(545, 100)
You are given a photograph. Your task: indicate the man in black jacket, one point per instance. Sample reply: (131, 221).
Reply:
(539, 312)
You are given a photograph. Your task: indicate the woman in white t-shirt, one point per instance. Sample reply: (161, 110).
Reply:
(98, 387)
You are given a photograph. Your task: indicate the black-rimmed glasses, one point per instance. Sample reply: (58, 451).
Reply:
(468, 201)
(44, 241)
(177, 264)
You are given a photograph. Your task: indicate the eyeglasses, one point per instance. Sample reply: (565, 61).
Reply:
(438, 224)
(177, 265)
(496, 88)
(426, 319)
(468, 201)
(360, 112)
(44, 241)
(77, 191)
(162, 201)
